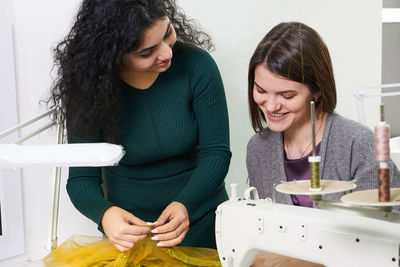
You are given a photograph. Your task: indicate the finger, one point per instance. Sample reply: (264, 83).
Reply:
(133, 220)
(135, 226)
(120, 248)
(123, 245)
(171, 234)
(165, 215)
(128, 230)
(170, 226)
(172, 242)
(130, 238)
(137, 230)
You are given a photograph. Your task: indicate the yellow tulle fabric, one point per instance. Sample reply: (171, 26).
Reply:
(81, 251)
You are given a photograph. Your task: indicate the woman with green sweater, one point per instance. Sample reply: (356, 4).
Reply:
(132, 72)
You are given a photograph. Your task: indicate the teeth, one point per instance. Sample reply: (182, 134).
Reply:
(276, 114)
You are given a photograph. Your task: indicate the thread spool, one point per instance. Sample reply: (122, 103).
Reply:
(382, 148)
(382, 155)
(384, 184)
(314, 162)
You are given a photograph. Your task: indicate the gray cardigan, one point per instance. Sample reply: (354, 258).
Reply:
(347, 151)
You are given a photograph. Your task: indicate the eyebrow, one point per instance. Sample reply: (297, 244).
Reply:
(151, 47)
(259, 86)
(280, 92)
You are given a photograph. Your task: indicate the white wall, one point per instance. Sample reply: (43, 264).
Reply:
(12, 244)
(39, 26)
(351, 29)
(391, 64)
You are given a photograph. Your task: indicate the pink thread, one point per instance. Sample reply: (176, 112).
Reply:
(382, 149)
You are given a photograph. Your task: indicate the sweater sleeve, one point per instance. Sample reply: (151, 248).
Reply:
(84, 186)
(213, 152)
(255, 154)
(363, 165)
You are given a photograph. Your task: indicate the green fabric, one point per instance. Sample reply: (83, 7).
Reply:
(176, 138)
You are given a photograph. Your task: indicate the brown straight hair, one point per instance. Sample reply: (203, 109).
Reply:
(297, 52)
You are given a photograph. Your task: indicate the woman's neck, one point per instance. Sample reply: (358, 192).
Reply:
(139, 80)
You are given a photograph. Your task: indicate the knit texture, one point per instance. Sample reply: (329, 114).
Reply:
(347, 152)
(176, 138)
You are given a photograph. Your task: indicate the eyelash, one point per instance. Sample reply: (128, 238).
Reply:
(287, 97)
(168, 33)
(260, 91)
(144, 56)
(264, 92)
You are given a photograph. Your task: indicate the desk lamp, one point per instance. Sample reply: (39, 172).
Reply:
(16, 155)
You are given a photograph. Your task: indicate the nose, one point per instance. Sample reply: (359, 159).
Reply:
(272, 104)
(165, 52)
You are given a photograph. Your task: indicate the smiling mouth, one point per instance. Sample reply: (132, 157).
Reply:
(277, 116)
(163, 63)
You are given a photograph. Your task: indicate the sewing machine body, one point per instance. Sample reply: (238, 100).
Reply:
(333, 238)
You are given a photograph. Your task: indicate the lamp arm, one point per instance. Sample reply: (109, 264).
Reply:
(56, 194)
(24, 124)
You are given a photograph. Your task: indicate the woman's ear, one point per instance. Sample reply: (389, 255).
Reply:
(317, 97)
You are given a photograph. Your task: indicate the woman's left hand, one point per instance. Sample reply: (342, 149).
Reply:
(172, 225)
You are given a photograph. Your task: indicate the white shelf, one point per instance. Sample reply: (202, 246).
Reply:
(91, 154)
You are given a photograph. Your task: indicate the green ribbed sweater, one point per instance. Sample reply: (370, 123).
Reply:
(176, 138)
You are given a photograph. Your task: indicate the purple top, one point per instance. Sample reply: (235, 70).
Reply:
(298, 169)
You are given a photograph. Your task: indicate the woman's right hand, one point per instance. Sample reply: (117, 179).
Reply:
(122, 228)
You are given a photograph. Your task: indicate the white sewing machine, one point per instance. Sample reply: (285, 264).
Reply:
(361, 230)
(333, 235)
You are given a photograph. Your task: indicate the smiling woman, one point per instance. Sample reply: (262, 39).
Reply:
(290, 67)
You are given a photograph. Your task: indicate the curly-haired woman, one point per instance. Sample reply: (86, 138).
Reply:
(133, 72)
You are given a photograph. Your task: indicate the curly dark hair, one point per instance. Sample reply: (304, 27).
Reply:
(87, 88)
(297, 52)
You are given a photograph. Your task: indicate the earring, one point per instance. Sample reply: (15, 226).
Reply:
(317, 100)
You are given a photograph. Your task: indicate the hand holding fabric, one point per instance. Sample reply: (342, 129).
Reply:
(172, 225)
(122, 228)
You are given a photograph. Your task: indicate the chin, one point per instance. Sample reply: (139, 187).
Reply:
(276, 127)
(161, 69)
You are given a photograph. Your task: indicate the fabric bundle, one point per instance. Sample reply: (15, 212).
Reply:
(79, 251)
